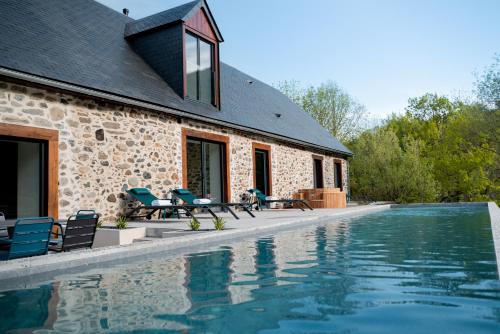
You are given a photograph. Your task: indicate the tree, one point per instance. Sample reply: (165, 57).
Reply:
(330, 105)
(382, 170)
(488, 84)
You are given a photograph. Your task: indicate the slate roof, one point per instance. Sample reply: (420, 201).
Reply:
(82, 43)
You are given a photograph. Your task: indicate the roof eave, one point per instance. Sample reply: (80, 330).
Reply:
(18, 75)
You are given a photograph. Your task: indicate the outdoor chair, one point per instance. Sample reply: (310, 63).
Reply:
(30, 237)
(187, 196)
(148, 200)
(263, 200)
(79, 232)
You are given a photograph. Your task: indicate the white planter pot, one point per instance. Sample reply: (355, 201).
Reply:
(115, 237)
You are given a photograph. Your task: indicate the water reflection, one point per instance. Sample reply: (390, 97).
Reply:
(338, 277)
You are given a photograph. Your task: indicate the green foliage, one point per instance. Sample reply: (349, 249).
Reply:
(121, 223)
(439, 150)
(194, 224)
(385, 171)
(330, 105)
(488, 84)
(99, 224)
(219, 223)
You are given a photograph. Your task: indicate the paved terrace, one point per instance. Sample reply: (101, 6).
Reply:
(173, 236)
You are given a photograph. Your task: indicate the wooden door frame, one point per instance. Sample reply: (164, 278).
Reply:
(320, 158)
(52, 139)
(212, 137)
(263, 147)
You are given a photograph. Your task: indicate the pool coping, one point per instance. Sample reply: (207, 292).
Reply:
(36, 268)
(495, 230)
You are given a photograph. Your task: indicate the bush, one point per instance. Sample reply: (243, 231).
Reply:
(121, 223)
(219, 223)
(194, 224)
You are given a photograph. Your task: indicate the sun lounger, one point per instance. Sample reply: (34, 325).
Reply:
(263, 200)
(148, 200)
(187, 196)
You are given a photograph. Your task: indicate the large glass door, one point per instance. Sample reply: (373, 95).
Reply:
(205, 168)
(262, 171)
(23, 170)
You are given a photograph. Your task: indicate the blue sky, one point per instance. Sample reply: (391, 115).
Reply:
(381, 52)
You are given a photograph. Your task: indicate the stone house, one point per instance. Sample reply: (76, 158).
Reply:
(93, 102)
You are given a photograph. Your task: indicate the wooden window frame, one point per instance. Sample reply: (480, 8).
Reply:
(52, 139)
(263, 147)
(186, 133)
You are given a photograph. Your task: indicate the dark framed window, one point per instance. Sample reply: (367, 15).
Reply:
(200, 74)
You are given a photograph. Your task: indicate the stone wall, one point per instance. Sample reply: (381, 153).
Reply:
(107, 148)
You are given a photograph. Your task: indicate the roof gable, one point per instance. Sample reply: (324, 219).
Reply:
(183, 13)
(201, 23)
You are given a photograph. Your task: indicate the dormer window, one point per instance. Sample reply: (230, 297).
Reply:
(200, 74)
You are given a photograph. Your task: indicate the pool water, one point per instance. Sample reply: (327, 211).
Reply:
(418, 270)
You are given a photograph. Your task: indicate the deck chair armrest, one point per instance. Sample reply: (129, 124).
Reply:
(56, 234)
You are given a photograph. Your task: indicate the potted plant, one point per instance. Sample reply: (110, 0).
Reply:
(119, 234)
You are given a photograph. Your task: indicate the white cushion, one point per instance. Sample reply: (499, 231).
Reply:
(202, 201)
(161, 202)
(271, 198)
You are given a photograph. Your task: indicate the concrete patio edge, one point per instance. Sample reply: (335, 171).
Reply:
(22, 268)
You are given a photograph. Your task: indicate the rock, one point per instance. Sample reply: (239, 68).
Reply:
(121, 147)
(146, 175)
(133, 182)
(42, 122)
(14, 119)
(37, 112)
(6, 109)
(102, 155)
(111, 198)
(111, 125)
(56, 114)
(99, 135)
(123, 166)
(85, 120)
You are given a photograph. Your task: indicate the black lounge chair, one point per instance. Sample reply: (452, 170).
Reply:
(262, 200)
(187, 196)
(79, 232)
(145, 196)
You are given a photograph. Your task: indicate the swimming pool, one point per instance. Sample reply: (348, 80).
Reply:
(408, 270)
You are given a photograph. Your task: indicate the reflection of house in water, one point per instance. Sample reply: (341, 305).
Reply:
(243, 279)
(124, 299)
(208, 276)
(252, 281)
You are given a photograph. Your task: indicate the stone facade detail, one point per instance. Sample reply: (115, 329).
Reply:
(106, 148)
